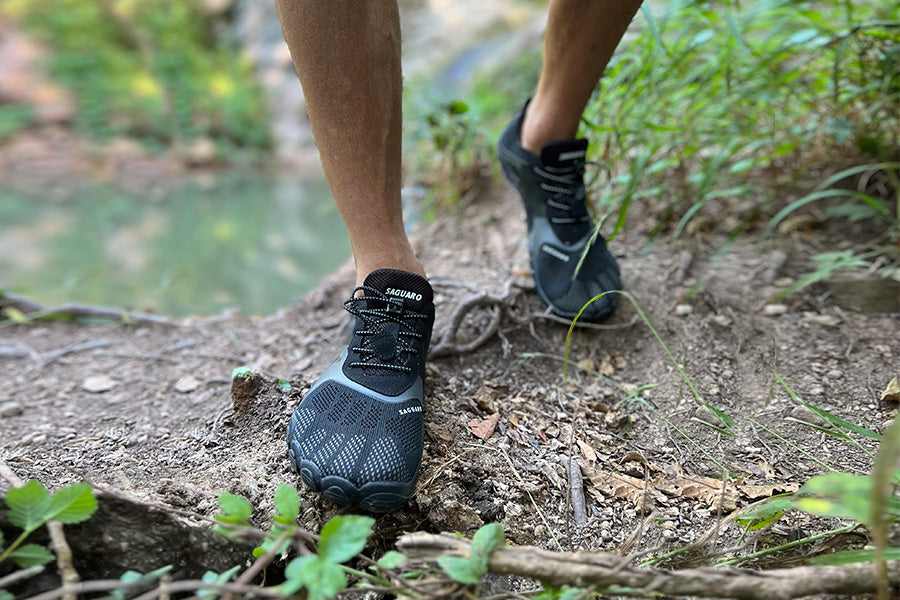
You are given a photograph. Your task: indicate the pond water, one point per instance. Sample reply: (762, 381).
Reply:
(255, 242)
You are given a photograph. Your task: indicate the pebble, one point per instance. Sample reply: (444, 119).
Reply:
(11, 409)
(98, 383)
(774, 310)
(804, 414)
(721, 320)
(683, 310)
(835, 374)
(186, 384)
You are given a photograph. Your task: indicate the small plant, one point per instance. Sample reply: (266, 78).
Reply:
(731, 105)
(31, 506)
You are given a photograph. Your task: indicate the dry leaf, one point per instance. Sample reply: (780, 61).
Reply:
(633, 455)
(484, 428)
(484, 398)
(620, 361)
(705, 489)
(618, 485)
(587, 452)
(606, 368)
(438, 433)
(586, 364)
(892, 392)
(755, 492)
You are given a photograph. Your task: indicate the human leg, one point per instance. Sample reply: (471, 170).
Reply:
(581, 37)
(357, 435)
(347, 55)
(572, 266)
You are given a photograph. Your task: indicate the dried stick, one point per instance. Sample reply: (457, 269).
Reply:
(576, 492)
(36, 311)
(581, 569)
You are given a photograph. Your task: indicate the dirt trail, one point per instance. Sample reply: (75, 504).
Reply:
(146, 409)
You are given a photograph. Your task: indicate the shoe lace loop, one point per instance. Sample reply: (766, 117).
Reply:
(566, 184)
(375, 315)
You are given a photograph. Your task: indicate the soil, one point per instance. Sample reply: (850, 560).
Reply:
(147, 409)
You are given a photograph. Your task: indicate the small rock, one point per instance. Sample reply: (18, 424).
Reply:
(98, 383)
(721, 320)
(835, 374)
(11, 409)
(186, 384)
(803, 413)
(683, 310)
(774, 310)
(824, 320)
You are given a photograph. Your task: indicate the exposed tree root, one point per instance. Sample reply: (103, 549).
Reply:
(502, 307)
(32, 310)
(585, 569)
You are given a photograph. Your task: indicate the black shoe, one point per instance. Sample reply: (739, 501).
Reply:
(559, 227)
(357, 435)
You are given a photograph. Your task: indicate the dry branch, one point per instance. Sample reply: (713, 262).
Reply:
(71, 311)
(583, 569)
(501, 306)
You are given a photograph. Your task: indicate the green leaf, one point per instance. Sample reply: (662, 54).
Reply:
(458, 107)
(241, 372)
(31, 555)
(237, 509)
(322, 578)
(287, 503)
(218, 578)
(28, 505)
(486, 540)
(136, 578)
(284, 384)
(853, 556)
(4, 595)
(841, 495)
(471, 570)
(764, 513)
(344, 537)
(462, 570)
(552, 593)
(391, 560)
(73, 504)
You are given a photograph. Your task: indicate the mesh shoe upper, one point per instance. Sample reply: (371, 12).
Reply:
(358, 433)
(560, 228)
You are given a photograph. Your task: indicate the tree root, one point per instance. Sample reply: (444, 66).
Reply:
(584, 569)
(33, 310)
(502, 307)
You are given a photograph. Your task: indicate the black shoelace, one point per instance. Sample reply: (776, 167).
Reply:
(374, 317)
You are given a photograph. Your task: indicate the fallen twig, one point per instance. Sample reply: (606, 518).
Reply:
(34, 310)
(576, 492)
(581, 569)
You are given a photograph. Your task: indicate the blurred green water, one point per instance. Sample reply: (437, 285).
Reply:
(255, 242)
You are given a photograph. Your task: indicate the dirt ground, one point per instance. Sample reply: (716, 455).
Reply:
(146, 410)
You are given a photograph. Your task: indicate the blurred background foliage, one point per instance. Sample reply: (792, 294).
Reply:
(148, 69)
(712, 116)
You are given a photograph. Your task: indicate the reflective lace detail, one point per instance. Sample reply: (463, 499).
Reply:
(567, 183)
(392, 311)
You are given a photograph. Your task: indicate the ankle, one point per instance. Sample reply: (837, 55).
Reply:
(540, 127)
(410, 264)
